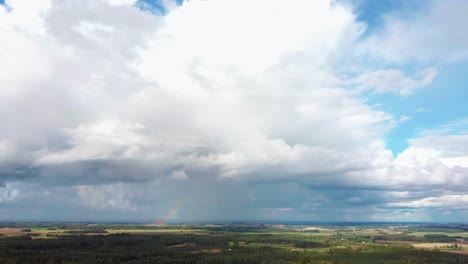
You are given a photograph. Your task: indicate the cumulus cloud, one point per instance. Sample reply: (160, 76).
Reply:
(125, 109)
(188, 99)
(435, 163)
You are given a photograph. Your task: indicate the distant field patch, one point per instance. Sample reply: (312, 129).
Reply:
(157, 231)
(462, 234)
(11, 231)
(194, 248)
(33, 232)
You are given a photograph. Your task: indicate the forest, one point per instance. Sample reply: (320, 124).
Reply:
(80, 243)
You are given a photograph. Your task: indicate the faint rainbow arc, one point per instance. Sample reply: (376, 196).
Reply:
(170, 214)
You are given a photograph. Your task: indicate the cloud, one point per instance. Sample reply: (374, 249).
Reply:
(122, 2)
(174, 96)
(395, 81)
(6, 151)
(454, 127)
(179, 175)
(102, 141)
(113, 108)
(106, 197)
(449, 145)
(445, 201)
(440, 162)
(430, 34)
(8, 195)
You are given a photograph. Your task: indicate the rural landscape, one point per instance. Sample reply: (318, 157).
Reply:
(70, 243)
(233, 131)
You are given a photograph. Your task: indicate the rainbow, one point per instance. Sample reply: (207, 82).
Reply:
(170, 214)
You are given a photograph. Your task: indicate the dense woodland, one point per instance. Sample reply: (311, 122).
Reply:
(219, 244)
(126, 248)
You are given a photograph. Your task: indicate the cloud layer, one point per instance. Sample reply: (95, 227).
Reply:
(215, 105)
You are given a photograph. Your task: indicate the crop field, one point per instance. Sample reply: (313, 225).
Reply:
(461, 234)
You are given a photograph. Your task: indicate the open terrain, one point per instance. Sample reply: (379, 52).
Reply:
(234, 243)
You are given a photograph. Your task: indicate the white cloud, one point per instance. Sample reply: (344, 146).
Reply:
(102, 95)
(101, 141)
(395, 81)
(179, 175)
(435, 163)
(432, 33)
(122, 2)
(449, 145)
(202, 95)
(27, 15)
(438, 161)
(445, 201)
(212, 32)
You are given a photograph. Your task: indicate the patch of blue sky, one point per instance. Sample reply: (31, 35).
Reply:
(7, 8)
(373, 12)
(154, 6)
(432, 107)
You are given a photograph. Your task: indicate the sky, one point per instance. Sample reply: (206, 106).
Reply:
(233, 110)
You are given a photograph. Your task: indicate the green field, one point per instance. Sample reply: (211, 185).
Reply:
(461, 234)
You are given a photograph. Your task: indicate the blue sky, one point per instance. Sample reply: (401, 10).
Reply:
(228, 110)
(373, 12)
(158, 5)
(437, 104)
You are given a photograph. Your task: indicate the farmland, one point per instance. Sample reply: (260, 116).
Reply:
(233, 243)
